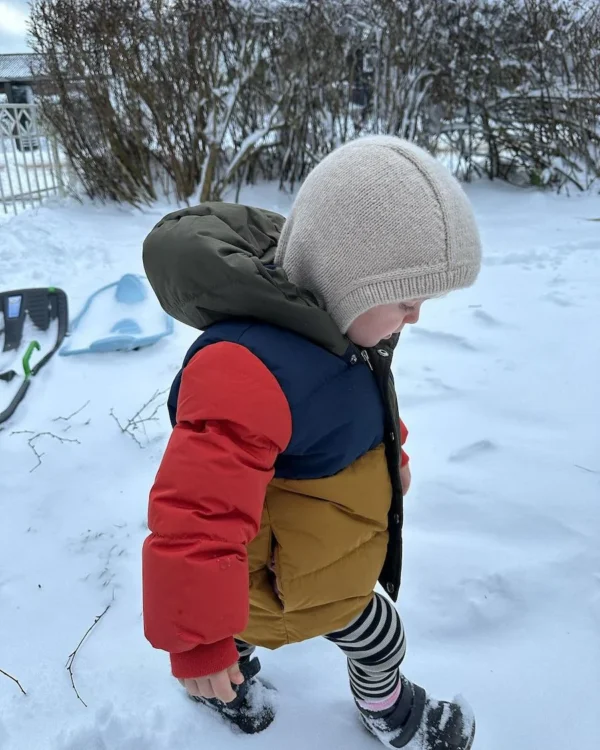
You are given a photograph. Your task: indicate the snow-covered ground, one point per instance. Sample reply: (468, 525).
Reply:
(501, 596)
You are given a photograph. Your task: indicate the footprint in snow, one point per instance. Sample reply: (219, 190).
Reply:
(440, 385)
(489, 599)
(430, 389)
(524, 259)
(569, 247)
(473, 605)
(112, 730)
(473, 450)
(486, 319)
(557, 281)
(447, 339)
(558, 299)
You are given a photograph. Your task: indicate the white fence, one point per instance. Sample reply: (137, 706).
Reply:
(30, 165)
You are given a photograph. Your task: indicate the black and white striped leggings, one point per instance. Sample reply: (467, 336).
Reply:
(375, 646)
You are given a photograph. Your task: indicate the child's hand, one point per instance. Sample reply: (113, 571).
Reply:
(216, 685)
(405, 478)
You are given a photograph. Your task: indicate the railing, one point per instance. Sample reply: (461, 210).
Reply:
(30, 165)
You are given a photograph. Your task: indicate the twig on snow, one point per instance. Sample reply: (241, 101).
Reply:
(585, 468)
(36, 436)
(71, 659)
(75, 413)
(139, 420)
(126, 428)
(14, 679)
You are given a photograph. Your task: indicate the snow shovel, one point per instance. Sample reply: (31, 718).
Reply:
(28, 317)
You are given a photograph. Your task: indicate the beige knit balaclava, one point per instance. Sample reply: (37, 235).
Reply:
(378, 221)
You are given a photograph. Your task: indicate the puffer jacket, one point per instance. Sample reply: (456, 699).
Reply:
(277, 505)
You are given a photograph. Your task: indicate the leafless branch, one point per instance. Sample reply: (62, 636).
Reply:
(139, 420)
(585, 468)
(35, 436)
(14, 679)
(66, 419)
(511, 86)
(71, 659)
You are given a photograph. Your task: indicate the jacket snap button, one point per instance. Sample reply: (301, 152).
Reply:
(390, 588)
(396, 518)
(353, 359)
(392, 437)
(383, 353)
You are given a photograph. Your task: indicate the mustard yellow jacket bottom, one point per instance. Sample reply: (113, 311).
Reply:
(319, 552)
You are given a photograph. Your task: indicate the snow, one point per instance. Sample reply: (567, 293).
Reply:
(501, 595)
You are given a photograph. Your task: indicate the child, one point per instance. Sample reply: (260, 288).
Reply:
(278, 503)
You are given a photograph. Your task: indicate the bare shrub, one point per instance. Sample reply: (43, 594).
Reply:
(192, 96)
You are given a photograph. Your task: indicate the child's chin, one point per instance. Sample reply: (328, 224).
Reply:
(365, 343)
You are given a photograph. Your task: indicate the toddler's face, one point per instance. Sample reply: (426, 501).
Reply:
(383, 321)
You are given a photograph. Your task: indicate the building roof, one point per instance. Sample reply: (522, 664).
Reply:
(18, 67)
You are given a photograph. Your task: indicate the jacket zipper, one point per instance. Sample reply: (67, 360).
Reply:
(365, 355)
(385, 386)
(391, 577)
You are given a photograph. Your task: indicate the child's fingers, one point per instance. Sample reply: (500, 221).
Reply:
(216, 685)
(235, 675)
(221, 685)
(200, 688)
(205, 689)
(405, 478)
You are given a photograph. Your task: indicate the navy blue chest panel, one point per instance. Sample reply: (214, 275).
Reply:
(337, 410)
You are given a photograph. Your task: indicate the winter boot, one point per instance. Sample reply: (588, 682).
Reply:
(417, 722)
(252, 710)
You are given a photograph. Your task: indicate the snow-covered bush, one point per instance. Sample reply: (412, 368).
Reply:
(191, 96)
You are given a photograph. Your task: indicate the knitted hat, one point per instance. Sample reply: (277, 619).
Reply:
(379, 221)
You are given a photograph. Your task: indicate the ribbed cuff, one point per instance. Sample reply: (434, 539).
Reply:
(387, 291)
(204, 659)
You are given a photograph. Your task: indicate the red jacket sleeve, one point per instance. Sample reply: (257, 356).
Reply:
(206, 504)
(404, 457)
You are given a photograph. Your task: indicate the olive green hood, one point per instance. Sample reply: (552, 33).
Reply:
(214, 262)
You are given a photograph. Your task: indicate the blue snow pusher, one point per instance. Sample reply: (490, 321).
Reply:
(31, 320)
(121, 316)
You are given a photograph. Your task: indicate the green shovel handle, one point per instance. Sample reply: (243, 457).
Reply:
(27, 357)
